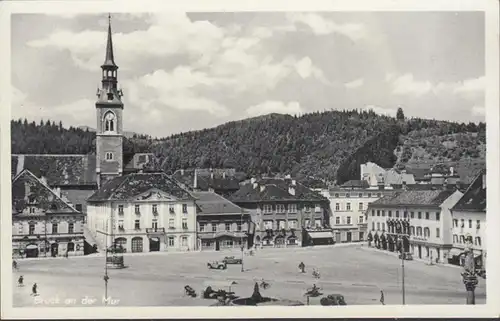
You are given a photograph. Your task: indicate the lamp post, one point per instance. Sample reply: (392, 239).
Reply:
(106, 277)
(242, 246)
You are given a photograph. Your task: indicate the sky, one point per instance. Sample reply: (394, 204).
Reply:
(188, 71)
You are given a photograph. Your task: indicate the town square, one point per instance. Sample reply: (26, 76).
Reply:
(157, 194)
(157, 279)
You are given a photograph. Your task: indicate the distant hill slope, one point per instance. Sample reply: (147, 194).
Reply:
(328, 145)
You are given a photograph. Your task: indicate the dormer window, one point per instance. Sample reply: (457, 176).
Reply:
(109, 156)
(109, 122)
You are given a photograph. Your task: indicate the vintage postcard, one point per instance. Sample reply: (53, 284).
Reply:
(329, 156)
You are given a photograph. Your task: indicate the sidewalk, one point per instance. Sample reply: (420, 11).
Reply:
(225, 252)
(396, 254)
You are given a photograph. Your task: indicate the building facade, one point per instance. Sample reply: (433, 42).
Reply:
(419, 219)
(220, 224)
(469, 221)
(285, 213)
(143, 212)
(43, 223)
(349, 203)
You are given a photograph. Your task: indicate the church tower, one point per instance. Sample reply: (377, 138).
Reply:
(109, 107)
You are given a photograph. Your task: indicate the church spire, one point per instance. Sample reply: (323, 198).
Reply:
(110, 58)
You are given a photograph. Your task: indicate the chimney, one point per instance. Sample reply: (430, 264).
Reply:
(262, 188)
(294, 182)
(291, 190)
(195, 180)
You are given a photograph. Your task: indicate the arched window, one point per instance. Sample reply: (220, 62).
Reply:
(455, 238)
(427, 232)
(419, 231)
(462, 239)
(109, 122)
(412, 229)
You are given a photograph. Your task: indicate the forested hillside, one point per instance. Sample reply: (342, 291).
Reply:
(328, 145)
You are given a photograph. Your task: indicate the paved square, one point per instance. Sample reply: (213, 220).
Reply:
(158, 279)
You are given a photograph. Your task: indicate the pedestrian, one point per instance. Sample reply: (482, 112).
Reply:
(33, 290)
(382, 297)
(14, 264)
(20, 281)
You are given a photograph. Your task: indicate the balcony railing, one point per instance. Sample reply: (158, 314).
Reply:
(155, 230)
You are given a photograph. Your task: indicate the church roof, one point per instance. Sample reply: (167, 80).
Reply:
(126, 187)
(109, 60)
(27, 189)
(58, 170)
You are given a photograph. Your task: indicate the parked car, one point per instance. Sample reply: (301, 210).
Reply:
(232, 260)
(217, 265)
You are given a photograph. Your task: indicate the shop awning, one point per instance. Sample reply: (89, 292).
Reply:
(455, 252)
(321, 235)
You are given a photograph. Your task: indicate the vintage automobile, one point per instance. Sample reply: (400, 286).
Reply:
(217, 265)
(333, 299)
(232, 260)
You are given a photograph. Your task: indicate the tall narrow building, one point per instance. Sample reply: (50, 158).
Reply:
(109, 107)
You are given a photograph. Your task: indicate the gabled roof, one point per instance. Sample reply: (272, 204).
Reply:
(210, 203)
(27, 189)
(275, 189)
(414, 198)
(126, 187)
(58, 170)
(474, 198)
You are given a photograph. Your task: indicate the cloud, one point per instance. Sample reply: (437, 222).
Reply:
(470, 88)
(478, 111)
(175, 90)
(407, 85)
(380, 110)
(192, 38)
(271, 106)
(323, 26)
(355, 83)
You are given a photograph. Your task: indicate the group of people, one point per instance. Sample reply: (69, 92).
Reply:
(315, 272)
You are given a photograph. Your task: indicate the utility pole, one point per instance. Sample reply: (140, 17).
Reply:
(106, 277)
(242, 246)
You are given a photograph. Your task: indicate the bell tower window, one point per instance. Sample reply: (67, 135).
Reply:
(109, 156)
(109, 122)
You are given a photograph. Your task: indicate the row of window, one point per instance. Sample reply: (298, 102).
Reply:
(78, 207)
(348, 221)
(54, 230)
(338, 206)
(382, 213)
(282, 224)
(359, 195)
(154, 209)
(227, 227)
(154, 224)
(292, 208)
(462, 240)
(416, 231)
(462, 223)
(137, 242)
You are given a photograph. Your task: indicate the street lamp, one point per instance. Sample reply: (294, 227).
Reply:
(242, 254)
(402, 267)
